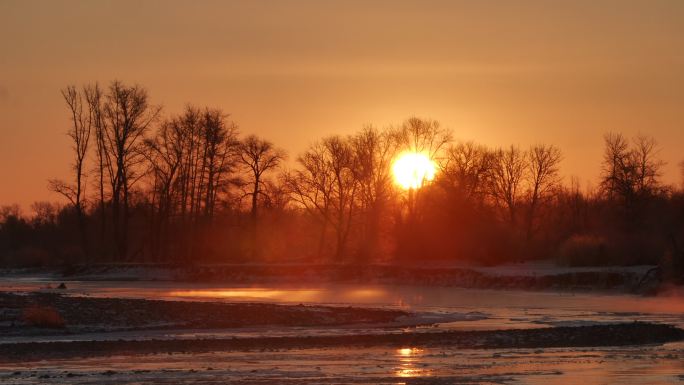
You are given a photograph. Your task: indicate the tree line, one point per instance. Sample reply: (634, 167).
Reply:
(188, 188)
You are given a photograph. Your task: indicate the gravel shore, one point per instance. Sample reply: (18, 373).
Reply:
(582, 336)
(82, 314)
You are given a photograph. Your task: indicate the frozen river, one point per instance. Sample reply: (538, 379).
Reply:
(453, 308)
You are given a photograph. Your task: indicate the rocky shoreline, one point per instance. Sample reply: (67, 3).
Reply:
(19, 314)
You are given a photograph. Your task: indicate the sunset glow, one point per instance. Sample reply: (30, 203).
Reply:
(411, 170)
(378, 191)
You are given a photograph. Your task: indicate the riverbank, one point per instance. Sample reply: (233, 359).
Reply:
(57, 314)
(523, 276)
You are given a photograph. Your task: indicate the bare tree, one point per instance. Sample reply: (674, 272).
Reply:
(127, 115)
(189, 124)
(191, 159)
(508, 173)
(277, 196)
(647, 165)
(93, 95)
(164, 153)
(82, 121)
(326, 185)
(44, 213)
(9, 211)
(311, 186)
(341, 162)
(209, 148)
(616, 161)
(544, 179)
(219, 156)
(374, 151)
(465, 171)
(258, 156)
(423, 136)
(630, 173)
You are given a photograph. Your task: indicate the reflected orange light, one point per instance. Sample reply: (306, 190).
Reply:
(405, 352)
(289, 295)
(366, 293)
(407, 367)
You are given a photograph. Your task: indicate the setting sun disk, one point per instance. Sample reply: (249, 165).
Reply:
(411, 170)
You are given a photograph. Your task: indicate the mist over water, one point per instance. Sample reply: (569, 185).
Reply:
(502, 309)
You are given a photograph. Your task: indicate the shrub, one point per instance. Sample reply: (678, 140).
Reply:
(582, 250)
(42, 317)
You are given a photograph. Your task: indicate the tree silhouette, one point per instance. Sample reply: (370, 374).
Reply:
(631, 173)
(258, 156)
(374, 151)
(171, 189)
(127, 115)
(82, 122)
(508, 174)
(544, 175)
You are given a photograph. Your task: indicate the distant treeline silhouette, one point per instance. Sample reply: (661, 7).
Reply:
(188, 188)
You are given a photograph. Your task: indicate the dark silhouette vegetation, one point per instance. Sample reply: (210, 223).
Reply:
(187, 188)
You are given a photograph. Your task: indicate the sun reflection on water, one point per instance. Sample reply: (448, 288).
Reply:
(250, 293)
(312, 295)
(409, 363)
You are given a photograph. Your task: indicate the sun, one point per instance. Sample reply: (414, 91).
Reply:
(411, 170)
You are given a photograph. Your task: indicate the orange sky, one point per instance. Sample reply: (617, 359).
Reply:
(496, 72)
